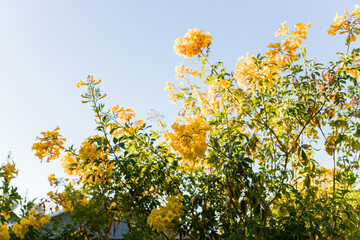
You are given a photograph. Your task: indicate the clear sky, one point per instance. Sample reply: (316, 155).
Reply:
(47, 46)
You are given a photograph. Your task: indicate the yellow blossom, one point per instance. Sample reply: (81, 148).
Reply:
(53, 180)
(181, 71)
(346, 24)
(4, 232)
(80, 83)
(8, 172)
(89, 151)
(49, 145)
(70, 165)
(123, 114)
(282, 31)
(161, 219)
(192, 43)
(112, 205)
(189, 138)
(44, 219)
(19, 231)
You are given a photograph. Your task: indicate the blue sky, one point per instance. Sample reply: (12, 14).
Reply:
(47, 46)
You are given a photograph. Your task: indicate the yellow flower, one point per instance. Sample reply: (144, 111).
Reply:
(44, 219)
(24, 222)
(5, 214)
(181, 71)
(169, 86)
(80, 83)
(32, 220)
(89, 151)
(161, 219)
(112, 205)
(49, 145)
(53, 180)
(190, 138)
(19, 231)
(253, 74)
(122, 114)
(247, 71)
(282, 31)
(347, 24)
(4, 232)
(192, 43)
(9, 172)
(68, 161)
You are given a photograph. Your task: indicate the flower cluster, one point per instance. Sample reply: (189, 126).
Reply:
(293, 40)
(257, 73)
(6, 214)
(181, 71)
(34, 220)
(97, 173)
(89, 151)
(192, 43)
(93, 93)
(91, 81)
(174, 93)
(190, 138)
(8, 172)
(161, 219)
(59, 199)
(353, 68)
(214, 98)
(247, 72)
(62, 199)
(124, 115)
(53, 181)
(91, 164)
(6, 206)
(4, 232)
(347, 24)
(49, 145)
(70, 165)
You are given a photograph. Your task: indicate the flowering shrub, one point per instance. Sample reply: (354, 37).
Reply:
(34, 220)
(27, 224)
(240, 157)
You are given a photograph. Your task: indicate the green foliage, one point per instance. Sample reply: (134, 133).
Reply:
(259, 177)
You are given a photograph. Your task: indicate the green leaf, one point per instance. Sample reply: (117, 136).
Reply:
(307, 181)
(357, 132)
(243, 206)
(304, 158)
(257, 210)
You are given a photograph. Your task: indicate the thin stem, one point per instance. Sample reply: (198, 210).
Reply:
(164, 235)
(333, 212)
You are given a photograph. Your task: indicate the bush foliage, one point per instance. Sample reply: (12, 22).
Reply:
(240, 161)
